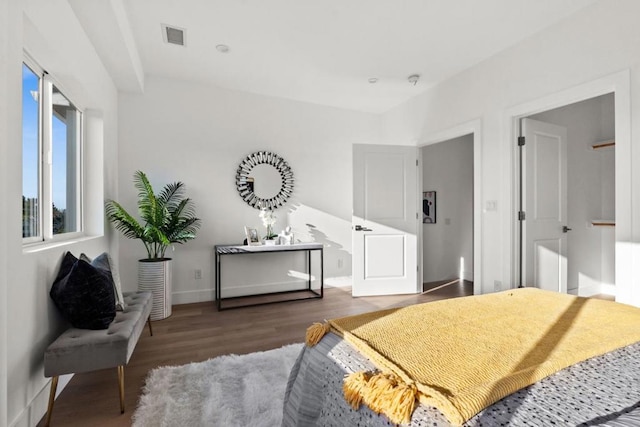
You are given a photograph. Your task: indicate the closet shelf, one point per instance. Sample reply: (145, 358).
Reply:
(603, 144)
(603, 222)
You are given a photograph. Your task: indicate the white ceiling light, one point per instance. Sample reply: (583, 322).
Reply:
(413, 78)
(222, 48)
(174, 35)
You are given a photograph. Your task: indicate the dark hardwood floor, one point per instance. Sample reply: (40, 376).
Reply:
(450, 284)
(196, 332)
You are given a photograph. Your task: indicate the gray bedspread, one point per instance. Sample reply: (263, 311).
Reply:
(602, 391)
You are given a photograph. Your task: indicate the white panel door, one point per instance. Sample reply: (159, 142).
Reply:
(545, 205)
(384, 224)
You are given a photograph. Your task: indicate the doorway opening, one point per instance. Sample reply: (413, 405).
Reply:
(567, 198)
(448, 215)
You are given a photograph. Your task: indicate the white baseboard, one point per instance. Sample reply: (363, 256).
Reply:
(338, 282)
(595, 289)
(37, 408)
(608, 289)
(204, 295)
(265, 288)
(189, 297)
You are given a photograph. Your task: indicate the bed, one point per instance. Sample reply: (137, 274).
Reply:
(603, 390)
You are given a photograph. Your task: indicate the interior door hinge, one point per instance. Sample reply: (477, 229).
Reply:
(520, 141)
(521, 216)
(417, 215)
(416, 162)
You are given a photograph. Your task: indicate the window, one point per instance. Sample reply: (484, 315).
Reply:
(51, 145)
(30, 150)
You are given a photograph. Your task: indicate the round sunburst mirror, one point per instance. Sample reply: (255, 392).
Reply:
(264, 180)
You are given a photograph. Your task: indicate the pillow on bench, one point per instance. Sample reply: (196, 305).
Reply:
(104, 262)
(84, 294)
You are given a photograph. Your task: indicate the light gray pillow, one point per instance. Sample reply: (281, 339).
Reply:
(105, 262)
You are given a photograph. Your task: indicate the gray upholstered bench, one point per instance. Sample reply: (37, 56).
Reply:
(85, 350)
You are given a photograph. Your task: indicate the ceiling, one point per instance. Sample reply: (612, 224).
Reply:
(318, 51)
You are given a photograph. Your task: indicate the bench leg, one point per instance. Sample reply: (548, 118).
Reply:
(149, 322)
(52, 398)
(121, 387)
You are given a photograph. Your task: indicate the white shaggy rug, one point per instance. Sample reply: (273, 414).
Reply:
(227, 391)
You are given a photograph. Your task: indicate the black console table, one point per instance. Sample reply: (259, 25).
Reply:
(223, 250)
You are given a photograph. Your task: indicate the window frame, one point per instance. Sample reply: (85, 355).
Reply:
(45, 160)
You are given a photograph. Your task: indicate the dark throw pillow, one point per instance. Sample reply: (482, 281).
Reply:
(84, 295)
(105, 263)
(65, 267)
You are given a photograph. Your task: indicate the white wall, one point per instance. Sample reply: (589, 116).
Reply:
(447, 168)
(49, 30)
(180, 131)
(601, 40)
(588, 122)
(6, 28)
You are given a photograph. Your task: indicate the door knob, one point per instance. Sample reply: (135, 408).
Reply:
(361, 228)
(565, 229)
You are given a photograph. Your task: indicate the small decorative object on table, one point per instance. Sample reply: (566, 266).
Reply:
(268, 220)
(253, 238)
(286, 237)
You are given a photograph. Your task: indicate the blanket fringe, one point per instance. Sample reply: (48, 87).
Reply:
(403, 402)
(378, 391)
(315, 333)
(382, 393)
(353, 387)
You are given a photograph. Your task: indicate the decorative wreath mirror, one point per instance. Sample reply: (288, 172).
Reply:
(264, 180)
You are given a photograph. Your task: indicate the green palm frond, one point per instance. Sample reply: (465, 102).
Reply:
(151, 209)
(167, 217)
(171, 194)
(123, 221)
(184, 230)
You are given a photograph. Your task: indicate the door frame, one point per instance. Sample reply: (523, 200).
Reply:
(618, 84)
(473, 127)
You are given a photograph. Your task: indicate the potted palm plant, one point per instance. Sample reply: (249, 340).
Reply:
(166, 218)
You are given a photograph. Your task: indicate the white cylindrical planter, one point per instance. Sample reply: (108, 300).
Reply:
(155, 276)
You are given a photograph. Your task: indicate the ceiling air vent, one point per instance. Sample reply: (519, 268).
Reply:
(173, 35)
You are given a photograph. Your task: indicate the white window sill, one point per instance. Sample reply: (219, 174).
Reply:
(31, 248)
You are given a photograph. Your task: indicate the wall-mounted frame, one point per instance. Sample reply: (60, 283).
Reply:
(429, 207)
(246, 186)
(253, 237)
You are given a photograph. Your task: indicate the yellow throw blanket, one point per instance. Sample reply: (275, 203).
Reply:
(462, 355)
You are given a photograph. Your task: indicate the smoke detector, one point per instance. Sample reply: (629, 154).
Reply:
(174, 35)
(413, 78)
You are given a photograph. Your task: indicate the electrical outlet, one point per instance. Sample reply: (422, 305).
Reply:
(340, 263)
(497, 285)
(198, 274)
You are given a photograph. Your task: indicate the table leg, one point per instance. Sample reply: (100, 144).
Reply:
(309, 269)
(321, 272)
(218, 292)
